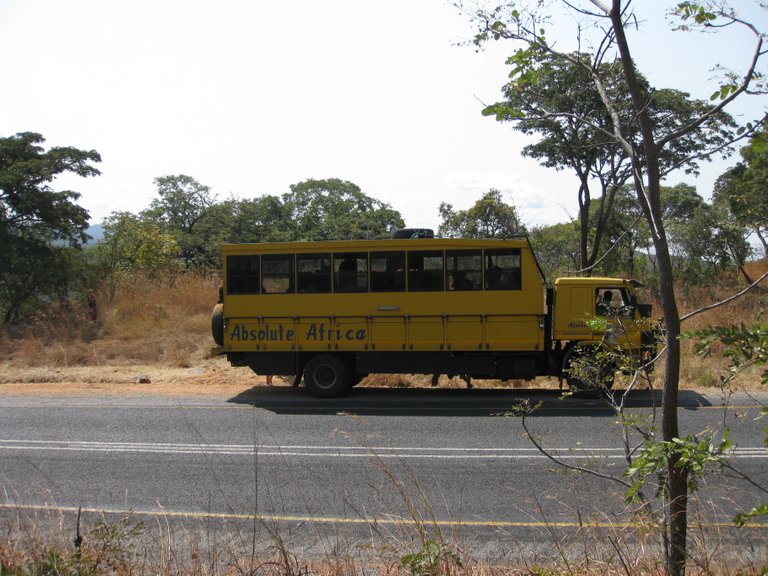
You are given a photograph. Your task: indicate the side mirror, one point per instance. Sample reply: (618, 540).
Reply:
(645, 310)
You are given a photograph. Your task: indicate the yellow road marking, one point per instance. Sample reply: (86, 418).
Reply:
(366, 521)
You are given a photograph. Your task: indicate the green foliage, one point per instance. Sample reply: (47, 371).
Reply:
(433, 559)
(698, 235)
(33, 273)
(744, 188)
(489, 217)
(26, 198)
(742, 346)
(181, 207)
(557, 97)
(556, 248)
(37, 223)
(135, 244)
(664, 132)
(693, 455)
(185, 225)
(756, 512)
(335, 209)
(625, 238)
(262, 219)
(696, 11)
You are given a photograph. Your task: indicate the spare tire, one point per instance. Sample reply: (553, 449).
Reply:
(217, 324)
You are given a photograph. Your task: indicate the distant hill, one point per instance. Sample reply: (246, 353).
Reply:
(96, 233)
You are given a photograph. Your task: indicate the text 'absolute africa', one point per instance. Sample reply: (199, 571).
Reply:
(316, 332)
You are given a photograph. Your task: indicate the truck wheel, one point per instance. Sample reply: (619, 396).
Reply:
(588, 370)
(217, 324)
(327, 376)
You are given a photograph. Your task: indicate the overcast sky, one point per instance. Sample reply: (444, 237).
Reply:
(249, 97)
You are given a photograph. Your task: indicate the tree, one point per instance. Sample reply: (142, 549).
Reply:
(182, 204)
(336, 209)
(733, 235)
(133, 244)
(33, 216)
(557, 248)
(702, 241)
(262, 219)
(690, 231)
(569, 141)
(744, 188)
(489, 217)
(645, 147)
(626, 236)
(558, 99)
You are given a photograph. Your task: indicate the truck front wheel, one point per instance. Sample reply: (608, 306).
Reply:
(327, 376)
(589, 369)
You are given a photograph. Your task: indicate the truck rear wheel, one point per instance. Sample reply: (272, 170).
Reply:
(327, 376)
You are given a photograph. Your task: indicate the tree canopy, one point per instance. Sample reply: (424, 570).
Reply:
(335, 209)
(33, 215)
(560, 100)
(489, 217)
(744, 188)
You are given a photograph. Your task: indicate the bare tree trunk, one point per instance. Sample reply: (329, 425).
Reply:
(677, 507)
(584, 202)
(649, 197)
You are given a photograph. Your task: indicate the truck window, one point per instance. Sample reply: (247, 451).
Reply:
(464, 269)
(387, 271)
(350, 272)
(277, 273)
(243, 274)
(503, 269)
(313, 273)
(612, 301)
(425, 271)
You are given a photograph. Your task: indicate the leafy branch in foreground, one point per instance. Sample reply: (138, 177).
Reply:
(743, 347)
(692, 453)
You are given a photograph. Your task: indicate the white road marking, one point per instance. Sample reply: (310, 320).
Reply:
(335, 451)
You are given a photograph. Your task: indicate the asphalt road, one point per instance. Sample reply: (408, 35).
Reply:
(375, 465)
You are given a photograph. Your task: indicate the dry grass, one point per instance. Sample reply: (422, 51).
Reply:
(42, 541)
(144, 321)
(161, 329)
(749, 309)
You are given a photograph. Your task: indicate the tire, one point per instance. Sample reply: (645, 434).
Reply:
(327, 376)
(217, 324)
(586, 372)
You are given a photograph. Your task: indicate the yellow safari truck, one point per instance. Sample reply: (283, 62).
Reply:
(336, 311)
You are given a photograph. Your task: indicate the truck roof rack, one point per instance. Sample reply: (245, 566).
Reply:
(414, 233)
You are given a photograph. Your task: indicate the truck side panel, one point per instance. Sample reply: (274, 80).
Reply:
(518, 333)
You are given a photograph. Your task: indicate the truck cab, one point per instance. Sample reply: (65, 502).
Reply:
(601, 311)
